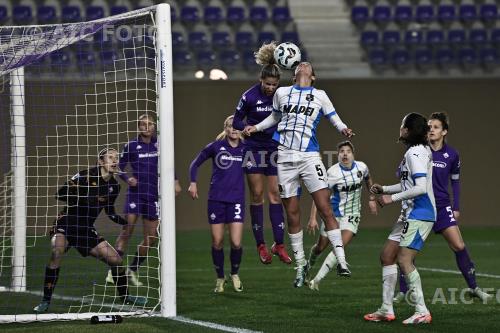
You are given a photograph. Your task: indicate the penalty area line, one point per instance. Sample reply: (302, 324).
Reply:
(215, 326)
(456, 272)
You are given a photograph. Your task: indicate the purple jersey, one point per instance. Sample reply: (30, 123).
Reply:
(227, 183)
(143, 158)
(446, 166)
(255, 106)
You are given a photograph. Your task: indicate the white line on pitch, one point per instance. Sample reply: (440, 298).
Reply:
(456, 272)
(213, 325)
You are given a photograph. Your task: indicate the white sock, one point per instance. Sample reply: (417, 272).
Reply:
(312, 255)
(297, 244)
(335, 238)
(389, 281)
(328, 264)
(416, 292)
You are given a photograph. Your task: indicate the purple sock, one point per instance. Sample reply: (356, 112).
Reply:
(403, 287)
(235, 260)
(218, 260)
(277, 221)
(257, 215)
(466, 266)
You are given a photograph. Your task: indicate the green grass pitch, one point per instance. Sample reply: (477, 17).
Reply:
(269, 303)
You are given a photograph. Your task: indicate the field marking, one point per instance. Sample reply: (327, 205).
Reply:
(182, 319)
(456, 272)
(208, 324)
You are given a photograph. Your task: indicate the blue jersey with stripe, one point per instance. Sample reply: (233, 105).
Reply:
(301, 109)
(417, 162)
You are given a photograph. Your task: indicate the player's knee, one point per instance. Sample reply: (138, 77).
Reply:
(217, 244)
(274, 197)
(457, 246)
(257, 197)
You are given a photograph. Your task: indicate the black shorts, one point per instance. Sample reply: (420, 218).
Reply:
(83, 238)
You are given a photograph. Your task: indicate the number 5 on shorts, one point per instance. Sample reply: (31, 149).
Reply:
(319, 170)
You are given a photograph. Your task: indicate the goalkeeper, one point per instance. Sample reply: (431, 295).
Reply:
(86, 194)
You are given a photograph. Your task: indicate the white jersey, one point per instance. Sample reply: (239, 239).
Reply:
(346, 186)
(300, 110)
(417, 162)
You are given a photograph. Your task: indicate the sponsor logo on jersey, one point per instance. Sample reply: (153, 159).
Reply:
(259, 102)
(267, 108)
(153, 154)
(349, 188)
(439, 164)
(306, 110)
(231, 158)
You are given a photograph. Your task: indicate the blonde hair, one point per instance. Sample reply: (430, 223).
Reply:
(265, 54)
(147, 115)
(227, 123)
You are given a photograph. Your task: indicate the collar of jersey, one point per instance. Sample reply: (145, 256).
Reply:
(153, 139)
(347, 169)
(295, 86)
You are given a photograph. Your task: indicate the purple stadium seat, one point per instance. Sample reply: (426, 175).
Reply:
(70, 14)
(102, 40)
(221, 39)
(391, 37)
(281, 15)
(206, 58)
(213, 15)
(360, 15)
(244, 40)
(400, 57)
(94, 13)
(488, 13)
(456, 37)
(108, 57)
(381, 14)
(495, 37)
(413, 37)
(489, 56)
(424, 13)
(403, 14)
(190, 15)
(446, 14)
(265, 37)
(445, 57)
(467, 13)
(182, 58)
(46, 14)
(258, 15)
(434, 37)
(178, 40)
(467, 56)
(378, 57)
(197, 40)
(369, 38)
(86, 58)
(60, 58)
(235, 15)
(22, 15)
(116, 10)
(249, 61)
(290, 36)
(423, 57)
(229, 59)
(478, 37)
(3, 14)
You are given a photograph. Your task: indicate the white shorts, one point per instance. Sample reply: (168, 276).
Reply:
(294, 166)
(410, 233)
(348, 222)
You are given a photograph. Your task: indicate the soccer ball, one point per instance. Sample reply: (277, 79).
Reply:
(287, 55)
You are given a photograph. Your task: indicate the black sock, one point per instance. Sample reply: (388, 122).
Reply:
(51, 276)
(138, 260)
(120, 279)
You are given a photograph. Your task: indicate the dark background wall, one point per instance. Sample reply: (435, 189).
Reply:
(374, 109)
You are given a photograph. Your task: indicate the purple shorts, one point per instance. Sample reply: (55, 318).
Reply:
(225, 212)
(444, 219)
(144, 205)
(261, 160)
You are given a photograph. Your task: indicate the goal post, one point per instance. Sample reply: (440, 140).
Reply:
(71, 90)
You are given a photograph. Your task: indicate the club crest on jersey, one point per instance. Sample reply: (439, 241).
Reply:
(446, 155)
(138, 147)
(360, 174)
(309, 97)
(132, 205)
